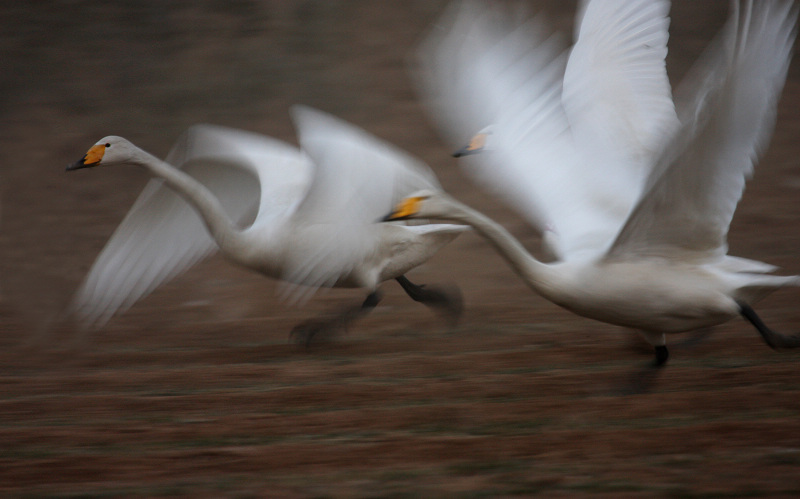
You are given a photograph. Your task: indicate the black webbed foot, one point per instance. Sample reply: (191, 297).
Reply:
(309, 331)
(326, 328)
(772, 338)
(644, 378)
(662, 354)
(447, 301)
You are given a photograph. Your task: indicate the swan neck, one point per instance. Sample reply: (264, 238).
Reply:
(536, 274)
(222, 229)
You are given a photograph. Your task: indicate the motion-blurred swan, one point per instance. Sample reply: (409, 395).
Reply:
(665, 269)
(571, 134)
(315, 222)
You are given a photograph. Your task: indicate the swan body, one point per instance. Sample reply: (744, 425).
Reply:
(651, 295)
(654, 295)
(633, 194)
(300, 199)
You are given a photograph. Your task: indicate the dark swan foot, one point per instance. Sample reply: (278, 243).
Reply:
(447, 301)
(326, 328)
(643, 379)
(772, 338)
(306, 331)
(662, 354)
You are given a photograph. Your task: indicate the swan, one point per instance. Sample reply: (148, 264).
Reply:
(315, 222)
(571, 133)
(666, 268)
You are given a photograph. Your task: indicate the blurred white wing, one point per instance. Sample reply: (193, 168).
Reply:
(616, 90)
(617, 98)
(162, 236)
(358, 178)
(480, 68)
(691, 196)
(570, 160)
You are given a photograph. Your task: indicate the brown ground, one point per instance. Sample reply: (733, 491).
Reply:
(195, 392)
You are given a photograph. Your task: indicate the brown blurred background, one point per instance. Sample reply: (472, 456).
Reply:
(194, 391)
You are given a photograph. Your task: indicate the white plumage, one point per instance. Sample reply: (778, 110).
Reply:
(314, 224)
(635, 205)
(571, 133)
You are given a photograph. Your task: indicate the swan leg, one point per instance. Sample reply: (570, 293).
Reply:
(659, 341)
(643, 379)
(772, 338)
(305, 332)
(662, 354)
(449, 302)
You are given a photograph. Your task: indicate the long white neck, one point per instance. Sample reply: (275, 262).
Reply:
(536, 274)
(226, 234)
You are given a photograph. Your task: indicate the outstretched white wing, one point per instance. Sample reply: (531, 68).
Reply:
(616, 92)
(570, 141)
(162, 236)
(357, 179)
(691, 196)
(479, 68)
(618, 101)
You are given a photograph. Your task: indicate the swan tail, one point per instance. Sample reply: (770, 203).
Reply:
(759, 286)
(745, 265)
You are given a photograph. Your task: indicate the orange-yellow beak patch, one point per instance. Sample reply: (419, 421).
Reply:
(476, 144)
(405, 208)
(94, 155)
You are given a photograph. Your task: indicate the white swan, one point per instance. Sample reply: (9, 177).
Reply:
(315, 223)
(571, 134)
(666, 268)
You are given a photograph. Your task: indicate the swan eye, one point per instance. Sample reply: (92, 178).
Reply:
(108, 144)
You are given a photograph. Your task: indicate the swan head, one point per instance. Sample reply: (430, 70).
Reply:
(109, 150)
(422, 204)
(478, 143)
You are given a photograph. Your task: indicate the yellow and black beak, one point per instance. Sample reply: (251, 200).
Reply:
(404, 209)
(92, 158)
(476, 145)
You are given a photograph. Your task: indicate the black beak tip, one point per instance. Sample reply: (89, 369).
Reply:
(76, 165)
(464, 151)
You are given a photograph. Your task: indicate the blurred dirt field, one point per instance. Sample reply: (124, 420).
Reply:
(196, 391)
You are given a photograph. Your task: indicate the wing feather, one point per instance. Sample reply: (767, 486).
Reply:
(616, 92)
(569, 138)
(162, 236)
(692, 194)
(358, 178)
